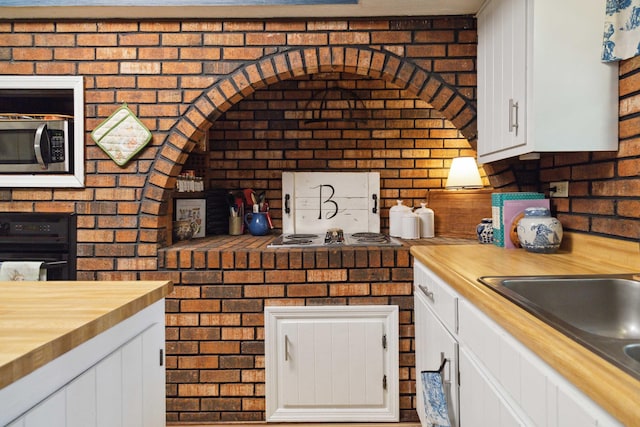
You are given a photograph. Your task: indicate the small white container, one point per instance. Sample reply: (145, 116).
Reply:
(410, 226)
(427, 228)
(395, 218)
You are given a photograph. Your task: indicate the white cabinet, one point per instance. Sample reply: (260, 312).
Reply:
(541, 84)
(332, 363)
(483, 406)
(116, 379)
(436, 343)
(501, 382)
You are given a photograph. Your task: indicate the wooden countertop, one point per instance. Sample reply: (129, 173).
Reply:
(40, 321)
(461, 265)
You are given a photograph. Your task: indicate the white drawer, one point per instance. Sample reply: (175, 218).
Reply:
(439, 296)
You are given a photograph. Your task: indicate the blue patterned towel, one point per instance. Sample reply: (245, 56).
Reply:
(435, 400)
(621, 30)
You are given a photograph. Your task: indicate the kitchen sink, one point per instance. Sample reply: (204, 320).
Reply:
(601, 312)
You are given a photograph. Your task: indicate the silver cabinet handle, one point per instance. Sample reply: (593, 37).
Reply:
(427, 292)
(286, 347)
(513, 116)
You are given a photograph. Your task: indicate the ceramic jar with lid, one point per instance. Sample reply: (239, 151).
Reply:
(539, 232)
(410, 226)
(484, 230)
(395, 218)
(427, 229)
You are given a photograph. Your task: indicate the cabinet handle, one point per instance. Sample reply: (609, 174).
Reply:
(427, 292)
(286, 347)
(513, 116)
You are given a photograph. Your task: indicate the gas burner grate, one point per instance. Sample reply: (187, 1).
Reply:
(300, 242)
(301, 237)
(370, 237)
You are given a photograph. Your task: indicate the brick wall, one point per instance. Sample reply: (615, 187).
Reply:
(381, 129)
(180, 77)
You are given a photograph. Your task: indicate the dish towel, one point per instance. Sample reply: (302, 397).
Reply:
(435, 400)
(621, 30)
(15, 271)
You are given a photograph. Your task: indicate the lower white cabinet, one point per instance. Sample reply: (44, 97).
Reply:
(436, 345)
(116, 379)
(501, 382)
(482, 404)
(332, 363)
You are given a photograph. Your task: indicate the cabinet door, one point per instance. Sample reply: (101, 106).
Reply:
(481, 405)
(331, 364)
(433, 344)
(501, 77)
(126, 388)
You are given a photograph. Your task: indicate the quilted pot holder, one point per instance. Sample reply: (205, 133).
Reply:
(121, 135)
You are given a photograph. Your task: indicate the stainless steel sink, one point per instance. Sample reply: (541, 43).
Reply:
(601, 312)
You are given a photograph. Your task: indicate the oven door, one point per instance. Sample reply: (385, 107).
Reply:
(55, 266)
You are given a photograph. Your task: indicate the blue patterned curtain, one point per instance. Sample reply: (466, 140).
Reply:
(621, 30)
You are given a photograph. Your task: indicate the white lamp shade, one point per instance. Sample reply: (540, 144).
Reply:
(464, 174)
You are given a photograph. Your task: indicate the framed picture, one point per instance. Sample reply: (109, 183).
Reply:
(194, 210)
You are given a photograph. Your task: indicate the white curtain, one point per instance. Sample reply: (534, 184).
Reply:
(621, 30)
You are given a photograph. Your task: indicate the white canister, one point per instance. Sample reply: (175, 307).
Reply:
(395, 218)
(410, 226)
(426, 216)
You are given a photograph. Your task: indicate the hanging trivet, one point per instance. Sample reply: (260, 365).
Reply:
(121, 135)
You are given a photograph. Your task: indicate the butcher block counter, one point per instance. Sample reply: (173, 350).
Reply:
(58, 326)
(461, 265)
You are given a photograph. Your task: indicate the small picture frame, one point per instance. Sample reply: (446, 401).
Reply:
(194, 210)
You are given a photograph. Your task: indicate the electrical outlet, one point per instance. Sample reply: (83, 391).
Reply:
(559, 189)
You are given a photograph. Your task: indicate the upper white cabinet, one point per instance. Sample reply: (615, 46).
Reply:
(541, 84)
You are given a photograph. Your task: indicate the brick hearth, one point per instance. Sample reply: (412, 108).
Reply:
(215, 333)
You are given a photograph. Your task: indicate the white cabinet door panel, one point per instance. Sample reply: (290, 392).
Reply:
(433, 343)
(50, 413)
(81, 404)
(480, 403)
(330, 363)
(109, 390)
(333, 363)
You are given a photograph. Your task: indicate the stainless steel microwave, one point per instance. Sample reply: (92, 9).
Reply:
(36, 144)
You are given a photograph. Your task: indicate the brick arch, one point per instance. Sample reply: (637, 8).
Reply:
(215, 101)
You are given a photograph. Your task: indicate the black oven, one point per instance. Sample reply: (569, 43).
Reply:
(49, 238)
